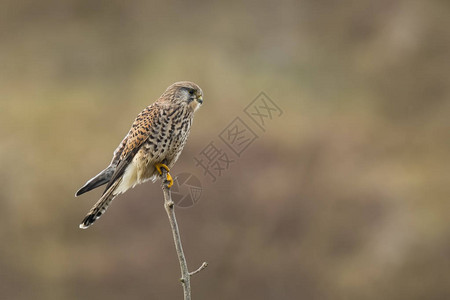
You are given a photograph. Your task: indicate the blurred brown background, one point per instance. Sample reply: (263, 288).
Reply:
(344, 196)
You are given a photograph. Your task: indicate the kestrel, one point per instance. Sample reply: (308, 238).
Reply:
(154, 141)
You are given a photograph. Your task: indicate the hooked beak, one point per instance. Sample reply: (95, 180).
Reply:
(200, 100)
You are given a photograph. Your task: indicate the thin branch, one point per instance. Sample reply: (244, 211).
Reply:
(169, 206)
(203, 266)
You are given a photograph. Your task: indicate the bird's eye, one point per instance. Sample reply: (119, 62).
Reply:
(191, 92)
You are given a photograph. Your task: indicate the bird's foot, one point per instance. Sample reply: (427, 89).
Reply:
(170, 180)
(169, 177)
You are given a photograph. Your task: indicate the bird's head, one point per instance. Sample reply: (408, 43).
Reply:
(184, 93)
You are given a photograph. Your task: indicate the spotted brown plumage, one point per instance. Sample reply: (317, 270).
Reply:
(155, 139)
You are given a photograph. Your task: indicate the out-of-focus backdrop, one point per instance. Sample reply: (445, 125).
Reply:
(345, 195)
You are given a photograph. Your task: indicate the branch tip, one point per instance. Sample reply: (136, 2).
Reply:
(203, 266)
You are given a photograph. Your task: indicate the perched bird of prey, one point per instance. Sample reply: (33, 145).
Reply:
(154, 141)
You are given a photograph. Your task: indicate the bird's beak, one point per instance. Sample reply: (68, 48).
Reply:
(200, 100)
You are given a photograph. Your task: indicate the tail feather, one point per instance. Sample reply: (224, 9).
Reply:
(100, 207)
(100, 179)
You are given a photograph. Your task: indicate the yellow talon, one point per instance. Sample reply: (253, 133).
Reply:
(169, 177)
(159, 166)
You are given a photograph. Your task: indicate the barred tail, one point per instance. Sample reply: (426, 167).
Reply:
(100, 207)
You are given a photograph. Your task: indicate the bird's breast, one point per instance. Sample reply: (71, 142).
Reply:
(167, 137)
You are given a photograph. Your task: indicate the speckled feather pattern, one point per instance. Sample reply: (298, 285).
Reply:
(158, 135)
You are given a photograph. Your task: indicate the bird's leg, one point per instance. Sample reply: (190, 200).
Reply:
(169, 177)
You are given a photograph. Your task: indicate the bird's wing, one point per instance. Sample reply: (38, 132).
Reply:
(104, 176)
(118, 152)
(138, 134)
(98, 180)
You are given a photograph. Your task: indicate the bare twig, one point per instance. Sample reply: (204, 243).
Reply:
(203, 266)
(169, 206)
